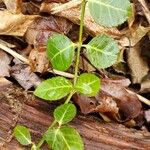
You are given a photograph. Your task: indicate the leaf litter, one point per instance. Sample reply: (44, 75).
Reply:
(33, 22)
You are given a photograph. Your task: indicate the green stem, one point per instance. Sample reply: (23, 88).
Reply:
(76, 67)
(80, 40)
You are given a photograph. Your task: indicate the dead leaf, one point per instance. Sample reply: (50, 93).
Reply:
(136, 35)
(25, 77)
(14, 24)
(4, 64)
(138, 65)
(40, 60)
(40, 30)
(73, 14)
(145, 85)
(113, 99)
(129, 104)
(13, 5)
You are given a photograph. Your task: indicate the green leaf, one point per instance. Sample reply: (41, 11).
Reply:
(60, 50)
(64, 138)
(22, 134)
(88, 84)
(65, 113)
(110, 12)
(54, 88)
(34, 147)
(102, 51)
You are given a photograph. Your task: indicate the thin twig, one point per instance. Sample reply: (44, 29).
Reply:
(14, 54)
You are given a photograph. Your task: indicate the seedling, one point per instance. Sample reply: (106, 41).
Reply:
(102, 51)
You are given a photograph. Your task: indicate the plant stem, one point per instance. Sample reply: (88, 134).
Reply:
(80, 40)
(76, 67)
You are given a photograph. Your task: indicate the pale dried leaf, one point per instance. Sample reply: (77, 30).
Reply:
(14, 24)
(13, 5)
(4, 64)
(138, 65)
(136, 35)
(73, 14)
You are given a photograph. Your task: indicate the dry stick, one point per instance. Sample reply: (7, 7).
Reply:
(145, 9)
(26, 61)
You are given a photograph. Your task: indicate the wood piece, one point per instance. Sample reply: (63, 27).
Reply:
(19, 107)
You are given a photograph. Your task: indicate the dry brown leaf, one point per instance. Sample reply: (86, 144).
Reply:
(4, 64)
(14, 24)
(147, 115)
(25, 77)
(40, 60)
(136, 35)
(40, 30)
(129, 104)
(113, 99)
(13, 5)
(145, 85)
(73, 14)
(138, 65)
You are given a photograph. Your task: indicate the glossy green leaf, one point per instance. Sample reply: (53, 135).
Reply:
(64, 138)
(110, 12)
(54, 88)
(60, 50)
(22, 134)
(65, 113)
(102, 51)
(88, 84)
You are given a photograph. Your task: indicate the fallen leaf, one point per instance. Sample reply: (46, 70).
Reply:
(128, 103)
(5, 64)
(145, 85)
(40, 60)
(25, 77)
(73, 14)
(15, 26)
(113, 99)
(138, 65)
(40, 30)
(137, 34)
(13, 5)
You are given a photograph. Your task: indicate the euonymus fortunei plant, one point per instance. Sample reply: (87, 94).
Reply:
(102, 52)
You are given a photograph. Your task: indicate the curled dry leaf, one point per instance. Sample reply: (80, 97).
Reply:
(25, 77)
(40, 60)
(15, 26)
(138, 65)
(13, 5)
(73, 14)
(136, 35)
(40, 30)
(112, 98)
(4, 63)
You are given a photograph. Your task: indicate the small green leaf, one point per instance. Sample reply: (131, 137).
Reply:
(88, 84)
(60, 50)
(22, 134)
(102, 51)
(54, 88)
(65, 113)
(64, 138)
(110, 12)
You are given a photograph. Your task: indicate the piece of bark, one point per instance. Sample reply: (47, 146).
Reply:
(18, 107)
